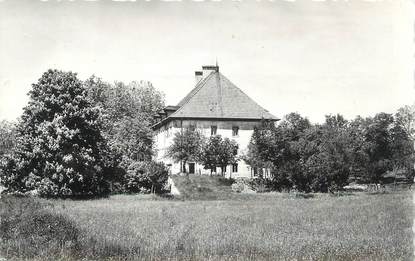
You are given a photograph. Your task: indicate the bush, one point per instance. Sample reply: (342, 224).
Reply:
(238, 186)
(145, 177)
(28, 229)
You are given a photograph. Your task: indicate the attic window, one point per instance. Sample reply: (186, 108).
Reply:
(235, 131)
(213, 130)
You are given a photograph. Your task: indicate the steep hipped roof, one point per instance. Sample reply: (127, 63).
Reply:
(217, 97)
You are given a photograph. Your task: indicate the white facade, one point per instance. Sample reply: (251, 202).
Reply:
(164, 138)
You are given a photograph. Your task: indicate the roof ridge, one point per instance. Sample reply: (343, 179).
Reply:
(199, 86)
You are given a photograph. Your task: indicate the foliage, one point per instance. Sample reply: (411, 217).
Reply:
(322, 157)
(327, 166)
(145, 176)
(219, 152)
(7, 137)
(377, 136)
(405, 117)
(127, 116)
(238, 186)
(59, 146)
(187, 146)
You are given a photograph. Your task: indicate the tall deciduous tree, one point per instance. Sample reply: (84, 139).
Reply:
(60, 143)
(187, 146)
(127, 111)
(405, 117)
(7, 137)
(378, 138)
(127, 116)
(219, 152)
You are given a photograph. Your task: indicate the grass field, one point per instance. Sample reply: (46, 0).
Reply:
(272, 226)
(261, 227)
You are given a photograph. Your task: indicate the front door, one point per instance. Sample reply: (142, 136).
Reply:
(191, 168)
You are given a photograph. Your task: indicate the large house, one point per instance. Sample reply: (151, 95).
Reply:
(215, 106)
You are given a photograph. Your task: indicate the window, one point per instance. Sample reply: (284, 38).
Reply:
(192, 127)
(235, 130)
(235, 167)
(213, 130)
(255, 171)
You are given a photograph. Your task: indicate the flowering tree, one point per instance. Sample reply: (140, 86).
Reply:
(59, 143)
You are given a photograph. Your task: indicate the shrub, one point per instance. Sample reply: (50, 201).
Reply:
(145, 177)
(28, 229)
(238, 186)
(261, 185)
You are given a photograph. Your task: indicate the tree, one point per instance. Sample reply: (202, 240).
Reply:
(262, 150)
(378, 137)
(277, 148)
(59, 141)
(405, 117)
(401, 147)
(187, 146)
(210, 153)
(359, 165)
(219, 152)
(7, 137)
(405, 126)
(127, 115)
(303, 156)
(329, 163)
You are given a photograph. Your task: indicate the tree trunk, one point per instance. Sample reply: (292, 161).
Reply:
(184, 168)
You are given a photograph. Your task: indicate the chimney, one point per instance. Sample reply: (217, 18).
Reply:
(198, 76)
(207, 69)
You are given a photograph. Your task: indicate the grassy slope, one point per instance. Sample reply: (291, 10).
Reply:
(195, 187)
(274, 226)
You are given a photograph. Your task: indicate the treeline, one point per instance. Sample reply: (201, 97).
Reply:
(87, 138)
(82, 138)
(296, 154)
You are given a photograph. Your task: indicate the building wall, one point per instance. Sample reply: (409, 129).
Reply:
(164, 137)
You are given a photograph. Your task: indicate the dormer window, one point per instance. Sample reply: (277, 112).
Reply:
(213, 130)
(235, 131)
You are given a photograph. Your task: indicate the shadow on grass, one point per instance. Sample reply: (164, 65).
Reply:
(30, 229)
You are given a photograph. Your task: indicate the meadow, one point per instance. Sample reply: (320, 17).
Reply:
(270, 226)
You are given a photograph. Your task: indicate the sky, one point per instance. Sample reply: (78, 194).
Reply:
(312, 57)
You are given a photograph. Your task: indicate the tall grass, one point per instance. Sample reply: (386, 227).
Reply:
(29, 230)
(260, 227)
